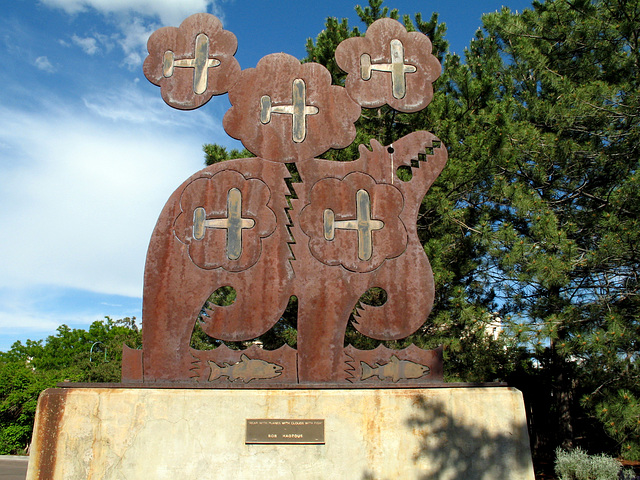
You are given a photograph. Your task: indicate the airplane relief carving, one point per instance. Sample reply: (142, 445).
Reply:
(193, 62)
(389, 65)
(293, 119)
(340, 230)
(225, 210)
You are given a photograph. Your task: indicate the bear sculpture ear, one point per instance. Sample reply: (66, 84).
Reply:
(193, 62)
(389, 65)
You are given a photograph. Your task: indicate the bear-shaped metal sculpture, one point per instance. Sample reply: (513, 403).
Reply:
(341, 230)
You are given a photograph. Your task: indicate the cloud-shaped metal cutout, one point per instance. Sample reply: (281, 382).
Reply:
(286, 111)
(224, 219)
(389, 65)
(193, 62)
(354, 222)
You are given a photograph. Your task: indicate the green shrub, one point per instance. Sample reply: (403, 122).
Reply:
(578, 465)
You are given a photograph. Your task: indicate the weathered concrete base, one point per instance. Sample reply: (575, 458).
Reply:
(439, 433)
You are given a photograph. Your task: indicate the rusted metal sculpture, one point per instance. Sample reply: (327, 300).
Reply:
(345, 228)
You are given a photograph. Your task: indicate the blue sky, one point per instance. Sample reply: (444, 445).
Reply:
(89, 153)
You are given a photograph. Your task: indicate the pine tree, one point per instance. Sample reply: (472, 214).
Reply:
(560, 222)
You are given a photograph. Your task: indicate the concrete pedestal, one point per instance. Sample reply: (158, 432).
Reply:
(127, 433)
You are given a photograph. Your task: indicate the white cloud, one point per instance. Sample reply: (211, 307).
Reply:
(105, 41)
(44, 64)
(170, 12)
(22, 316)
(133, 40)
(129, 104)
(28, 322)
(81, 190)
(88, 44)
(20, 324)
(135, 20)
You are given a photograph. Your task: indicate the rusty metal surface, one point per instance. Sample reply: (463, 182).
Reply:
(329, 282)
(46, 433)
(131, 365)
(286, 111)
(193, 62)
(389, 65)
(340, 230)
(225, 210)
(252, 365)
(410, 365)
(354, 210)
(281, 386)
(181, 273)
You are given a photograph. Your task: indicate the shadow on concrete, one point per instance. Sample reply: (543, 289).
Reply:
(452, 448)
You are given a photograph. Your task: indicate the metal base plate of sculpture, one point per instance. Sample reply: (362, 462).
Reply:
(342, 229)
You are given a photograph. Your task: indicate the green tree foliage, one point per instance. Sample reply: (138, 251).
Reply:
(558, 89)
(76, 355)
(214, 153)
(620, 414)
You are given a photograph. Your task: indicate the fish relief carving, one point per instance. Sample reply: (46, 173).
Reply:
(396, 370)
(246, 369)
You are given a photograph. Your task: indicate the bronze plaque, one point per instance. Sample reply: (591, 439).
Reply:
(284, 431)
